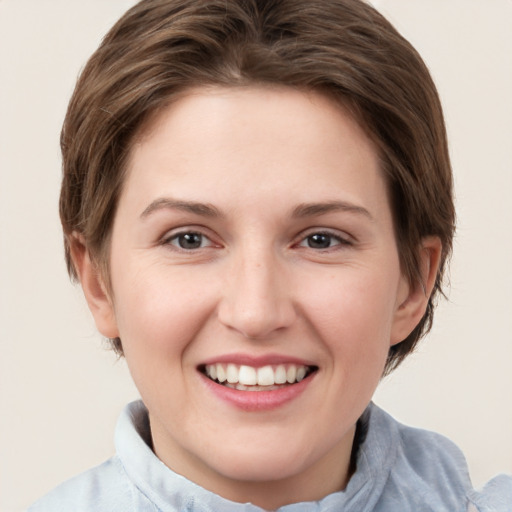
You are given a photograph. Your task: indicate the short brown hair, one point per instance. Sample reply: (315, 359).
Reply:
(342, 48)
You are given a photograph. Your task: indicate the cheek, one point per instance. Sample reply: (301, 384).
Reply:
(158, 315)
(353, 315)
(362, 301)
(157, 309)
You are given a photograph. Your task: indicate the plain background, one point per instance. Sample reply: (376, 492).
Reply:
(61, 391)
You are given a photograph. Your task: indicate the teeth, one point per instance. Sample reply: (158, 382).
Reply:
(280, 377)
(232, 374)
(291, 374)
(265, 376)
(221, 372)
(248, 378)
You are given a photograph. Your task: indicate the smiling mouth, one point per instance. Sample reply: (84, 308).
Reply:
(264, 378)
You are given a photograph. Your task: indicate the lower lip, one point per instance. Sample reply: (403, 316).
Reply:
(258, 400)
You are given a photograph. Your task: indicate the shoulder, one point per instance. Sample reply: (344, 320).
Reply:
(440, 462)
(427, 471)
(100, 489)
(433, 457)
(495, 496)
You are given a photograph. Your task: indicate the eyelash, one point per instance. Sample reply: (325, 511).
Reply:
(304, 241)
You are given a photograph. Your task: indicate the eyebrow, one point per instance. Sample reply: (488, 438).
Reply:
(164, 203)
(315, 209)
(208, 210)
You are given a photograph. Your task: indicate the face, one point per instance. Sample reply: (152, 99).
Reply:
(256, 288)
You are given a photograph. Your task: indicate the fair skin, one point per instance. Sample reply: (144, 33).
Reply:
(254, 230)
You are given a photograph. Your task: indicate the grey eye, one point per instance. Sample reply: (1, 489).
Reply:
(321, 241)
(189, 240)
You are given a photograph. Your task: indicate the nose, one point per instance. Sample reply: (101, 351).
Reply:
(257, 297)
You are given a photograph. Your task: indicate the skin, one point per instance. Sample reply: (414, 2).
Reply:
(256, 285)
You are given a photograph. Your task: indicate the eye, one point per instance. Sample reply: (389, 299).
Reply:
(189, 240)
(323, 240)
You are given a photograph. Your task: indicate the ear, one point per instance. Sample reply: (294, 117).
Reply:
(94, 288)
(413, 298)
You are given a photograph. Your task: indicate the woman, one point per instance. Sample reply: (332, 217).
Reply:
(257, 201)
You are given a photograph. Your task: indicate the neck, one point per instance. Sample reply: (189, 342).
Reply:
(313, 485)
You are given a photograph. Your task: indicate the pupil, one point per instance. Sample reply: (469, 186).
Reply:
(319, 241)
(190, 241)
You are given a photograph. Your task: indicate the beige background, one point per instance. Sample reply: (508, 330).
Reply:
(60, 391)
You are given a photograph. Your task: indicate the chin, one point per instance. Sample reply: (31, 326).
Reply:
(262, 464)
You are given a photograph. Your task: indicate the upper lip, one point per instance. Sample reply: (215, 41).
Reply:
(256, 361)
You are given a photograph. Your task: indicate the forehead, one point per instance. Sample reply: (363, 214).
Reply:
(252, 141)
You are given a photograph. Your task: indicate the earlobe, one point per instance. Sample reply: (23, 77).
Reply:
(95, 291)
(413, 299)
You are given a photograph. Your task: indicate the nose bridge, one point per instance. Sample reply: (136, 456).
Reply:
(256, 300)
